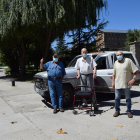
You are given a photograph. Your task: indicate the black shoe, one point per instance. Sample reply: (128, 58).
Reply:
(55, 110)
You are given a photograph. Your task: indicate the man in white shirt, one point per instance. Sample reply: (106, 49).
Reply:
(122, 80)
(85, 66)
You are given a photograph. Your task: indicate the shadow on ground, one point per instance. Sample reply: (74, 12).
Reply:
(134, 112)
(135, 94)
(103, 100)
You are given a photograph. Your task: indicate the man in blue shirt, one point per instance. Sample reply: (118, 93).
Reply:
(56, 72)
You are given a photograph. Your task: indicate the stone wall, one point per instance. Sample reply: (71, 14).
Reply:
(135, 48)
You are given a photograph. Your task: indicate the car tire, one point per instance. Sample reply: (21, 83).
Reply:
(68, 94)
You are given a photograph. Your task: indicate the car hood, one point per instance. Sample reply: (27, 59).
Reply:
(71, 72)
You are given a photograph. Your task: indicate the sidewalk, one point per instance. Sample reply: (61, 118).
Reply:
(35, 120)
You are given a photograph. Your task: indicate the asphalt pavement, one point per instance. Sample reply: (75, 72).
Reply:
(25, 115)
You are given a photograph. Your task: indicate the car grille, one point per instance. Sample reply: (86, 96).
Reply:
(41, 83)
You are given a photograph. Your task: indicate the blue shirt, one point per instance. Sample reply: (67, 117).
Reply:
(54, 71)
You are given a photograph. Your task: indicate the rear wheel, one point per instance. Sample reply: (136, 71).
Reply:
(67, 95)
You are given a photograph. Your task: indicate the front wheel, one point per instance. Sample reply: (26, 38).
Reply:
(67, 95)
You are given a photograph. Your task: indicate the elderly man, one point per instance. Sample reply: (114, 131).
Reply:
(122, 80)
(85, 66)
(56, 72)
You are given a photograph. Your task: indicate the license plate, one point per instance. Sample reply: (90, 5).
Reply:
(37, 90)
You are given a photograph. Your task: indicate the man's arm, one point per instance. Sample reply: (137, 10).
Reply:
(113, 77)
(41, 64)
(78, 69)
(63, 72)
(113, 81)
(131, 82)
(95, 70)
(78, 73)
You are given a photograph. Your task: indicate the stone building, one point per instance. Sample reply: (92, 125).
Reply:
(135, 49)
(111, 39)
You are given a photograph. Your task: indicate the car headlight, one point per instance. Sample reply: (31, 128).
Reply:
(45, 84)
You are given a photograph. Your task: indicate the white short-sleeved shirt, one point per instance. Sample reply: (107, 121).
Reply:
(85, 66)
(123, 72)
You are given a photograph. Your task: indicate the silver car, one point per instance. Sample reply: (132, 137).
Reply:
(103, 82)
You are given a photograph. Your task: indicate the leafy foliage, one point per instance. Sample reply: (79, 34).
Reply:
(17, 13)
(82, 38)
(61, 47)
(132, 35)
(27, 22)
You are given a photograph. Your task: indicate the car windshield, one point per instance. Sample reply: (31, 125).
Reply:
(94, 56)
(73, 62)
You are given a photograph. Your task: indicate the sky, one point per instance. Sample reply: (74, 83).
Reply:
(121, 15)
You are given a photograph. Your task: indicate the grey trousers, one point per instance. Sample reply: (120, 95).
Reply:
(87, 80)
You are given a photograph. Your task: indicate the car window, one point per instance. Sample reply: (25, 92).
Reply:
(130, 56)
(112, 58)
(73, 62)
(101, 63)
(93, 56)
(115, 58)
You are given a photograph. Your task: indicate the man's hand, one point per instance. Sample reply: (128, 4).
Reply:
(41, 61)
(78, 76)
(131, 82)
(94, 76)
(61, 78)
(113, 84)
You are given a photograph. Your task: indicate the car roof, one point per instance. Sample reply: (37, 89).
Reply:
(105, 52)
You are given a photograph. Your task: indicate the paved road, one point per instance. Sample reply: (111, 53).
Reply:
(35, 120)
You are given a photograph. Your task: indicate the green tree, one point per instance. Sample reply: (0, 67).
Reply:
(24, 19)
(86, 37)
(61, 46)
(132, 35)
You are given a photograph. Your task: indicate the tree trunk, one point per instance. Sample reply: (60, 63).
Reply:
(15, 63)
(22, 57)
(15, 66)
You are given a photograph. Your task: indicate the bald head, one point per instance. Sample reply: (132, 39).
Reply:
(84, 50)
(118, 53)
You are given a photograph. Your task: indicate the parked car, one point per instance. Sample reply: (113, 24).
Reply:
(103, 82)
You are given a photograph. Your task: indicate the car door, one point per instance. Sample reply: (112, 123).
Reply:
(103, 81)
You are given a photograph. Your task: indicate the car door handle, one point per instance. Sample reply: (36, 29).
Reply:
(109, 73)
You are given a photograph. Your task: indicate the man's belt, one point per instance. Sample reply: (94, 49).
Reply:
(87, 74)
(55, 77)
